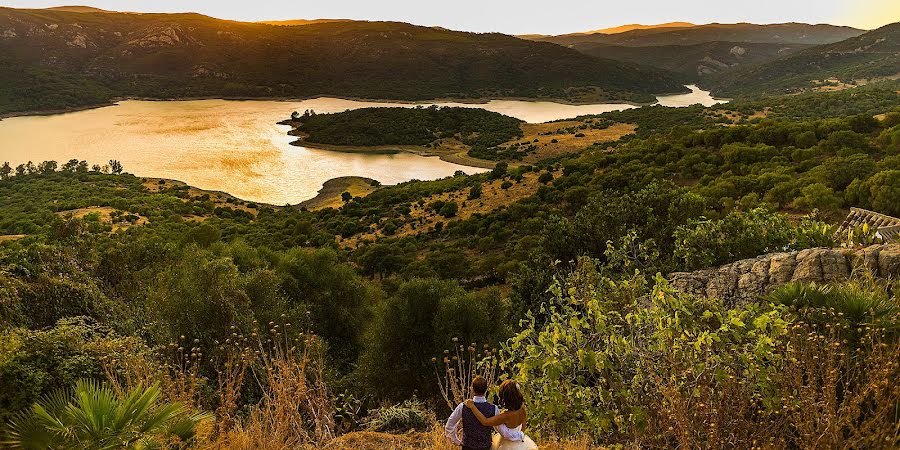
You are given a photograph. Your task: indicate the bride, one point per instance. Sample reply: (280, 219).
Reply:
(509, 398)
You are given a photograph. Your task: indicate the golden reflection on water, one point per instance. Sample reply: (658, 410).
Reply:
(234, 146)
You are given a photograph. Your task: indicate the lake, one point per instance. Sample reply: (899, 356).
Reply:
(237, 147)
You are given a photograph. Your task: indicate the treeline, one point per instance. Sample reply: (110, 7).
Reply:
(423, 126)
(47, 167)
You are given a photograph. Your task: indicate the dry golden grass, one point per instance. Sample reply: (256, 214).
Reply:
(736, 117)
(567, 143)
(219, 199)
(105, 213)
(422, 220)
(435, 440)
(11, 237)
(454, 151)
(330, 194)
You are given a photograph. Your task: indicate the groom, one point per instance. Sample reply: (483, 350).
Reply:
(475, 435)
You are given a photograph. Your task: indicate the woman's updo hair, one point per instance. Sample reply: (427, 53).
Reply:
(510, 397)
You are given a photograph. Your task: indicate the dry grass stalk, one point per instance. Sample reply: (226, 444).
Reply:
(296, 409)
(459, 370)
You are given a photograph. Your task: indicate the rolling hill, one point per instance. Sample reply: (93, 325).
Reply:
(77, 9)
(783, 33)
(692, 61)
(61, 59)
(301, 22)
(860, 59)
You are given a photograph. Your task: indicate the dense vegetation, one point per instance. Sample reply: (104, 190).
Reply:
(289, 335)
(474, 127)
(873, 55)
(694, 61)
(104, 55)
(781, 33)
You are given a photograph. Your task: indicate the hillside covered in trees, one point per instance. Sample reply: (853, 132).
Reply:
(872, 56)
(74, 59)
(781, 33)
(284, 327)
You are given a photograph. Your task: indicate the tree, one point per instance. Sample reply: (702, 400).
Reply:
(884, 191)
(115, 167)
(47, 167)
(21, 170)
(545, 177)
(94, 416)
(499, 170)
(199, 296)
(449, 209)
(295, 115)
(417, 323)
(336, 298)
(70, 166)
(5, 171)
(475, 191)
(346, 196)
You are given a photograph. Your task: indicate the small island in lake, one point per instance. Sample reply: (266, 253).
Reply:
(468, 136)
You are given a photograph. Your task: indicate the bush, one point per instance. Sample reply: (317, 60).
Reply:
(628, 364)
(475, 191)
(704, 243)
(545, 177)
(411, 415)
(449, 209)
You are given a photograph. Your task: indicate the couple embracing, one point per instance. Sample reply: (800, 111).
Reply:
(477, 416)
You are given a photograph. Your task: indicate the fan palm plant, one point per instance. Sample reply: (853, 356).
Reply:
(94, 417)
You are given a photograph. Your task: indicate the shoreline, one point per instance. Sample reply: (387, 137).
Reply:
(330, 193)
(450, 156)
(288, 99)
(466, 101)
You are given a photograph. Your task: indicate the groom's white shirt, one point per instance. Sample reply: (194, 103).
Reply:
(456, 418)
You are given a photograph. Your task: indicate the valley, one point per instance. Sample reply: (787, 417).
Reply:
(251, 228)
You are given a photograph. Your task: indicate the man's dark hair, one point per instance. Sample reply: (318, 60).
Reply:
(479, 385)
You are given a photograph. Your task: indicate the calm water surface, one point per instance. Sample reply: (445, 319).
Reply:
(236, 147)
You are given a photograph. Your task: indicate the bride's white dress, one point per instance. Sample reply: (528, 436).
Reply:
(501, 443)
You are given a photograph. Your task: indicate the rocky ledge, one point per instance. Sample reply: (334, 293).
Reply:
(745, 281)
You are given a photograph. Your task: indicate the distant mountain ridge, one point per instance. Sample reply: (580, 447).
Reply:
(873, 55)
(693, 61)
(637, 26)
(61, 59)
(784, 33)
(700, 51)
(301, 22)
(78, 9)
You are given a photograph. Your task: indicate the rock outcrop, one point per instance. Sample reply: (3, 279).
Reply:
(745, 281)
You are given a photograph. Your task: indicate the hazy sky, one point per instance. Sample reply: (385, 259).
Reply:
(520, 16)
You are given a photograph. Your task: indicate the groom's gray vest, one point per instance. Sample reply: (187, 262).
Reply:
(476, 435)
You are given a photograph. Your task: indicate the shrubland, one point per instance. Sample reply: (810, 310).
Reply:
(286, 332)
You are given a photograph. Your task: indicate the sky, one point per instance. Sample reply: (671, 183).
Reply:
(519, 16)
